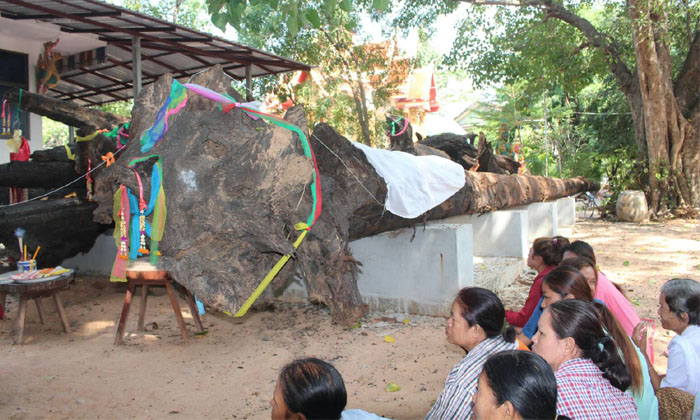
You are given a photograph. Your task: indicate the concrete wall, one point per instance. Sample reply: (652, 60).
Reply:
(417, 276)
(99, 260)
(566, 211)
(542, 219)
(498, 234)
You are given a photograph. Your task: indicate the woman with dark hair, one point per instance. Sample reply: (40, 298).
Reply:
(605, 290)
(586, 267)
(566, 282)
(565, 279)
(516, 385)
(475, 324)
(679, 310)
(545, 254)
(591, 376)
(311, 389)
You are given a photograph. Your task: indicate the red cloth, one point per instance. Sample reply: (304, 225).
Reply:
(519, 319)
(18, 195)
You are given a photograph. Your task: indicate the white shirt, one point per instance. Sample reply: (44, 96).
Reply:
(684, 361)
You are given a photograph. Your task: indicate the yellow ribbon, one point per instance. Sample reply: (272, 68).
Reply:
(90, 136)
(272, 273)
(70, 154)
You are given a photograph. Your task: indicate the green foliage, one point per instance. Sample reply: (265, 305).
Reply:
(122, 108)
(183, 12)
(54, 133)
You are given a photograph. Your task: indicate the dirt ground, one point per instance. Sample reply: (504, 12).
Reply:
(231, 371)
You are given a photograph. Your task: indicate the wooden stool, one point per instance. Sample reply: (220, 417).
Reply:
(145, 279)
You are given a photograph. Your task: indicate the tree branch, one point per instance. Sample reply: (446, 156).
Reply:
(685, 87)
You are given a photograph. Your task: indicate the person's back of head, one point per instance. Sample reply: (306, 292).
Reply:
(313, 389)
(580, 320)
(566, 280)
(581, 249)
(683, 297)
(550, 249)
(523, 379)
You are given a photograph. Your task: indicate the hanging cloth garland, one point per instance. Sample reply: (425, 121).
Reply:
(121, 216)
(131, 225)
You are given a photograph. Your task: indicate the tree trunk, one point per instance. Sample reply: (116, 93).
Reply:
(63, 228)
(235, 187)
(66, 112)
(36, 174)
(667, 130)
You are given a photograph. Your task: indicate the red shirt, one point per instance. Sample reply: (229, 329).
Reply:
(519, 319)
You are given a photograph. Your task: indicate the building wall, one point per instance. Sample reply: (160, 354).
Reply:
(32, 48)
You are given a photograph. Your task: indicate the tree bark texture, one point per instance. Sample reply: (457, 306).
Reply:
(235, 188)
(668, 132)
(62, 227)
(66, 112)
(32, 174)
(455, 147)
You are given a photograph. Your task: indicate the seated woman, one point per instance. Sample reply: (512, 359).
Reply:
(562, 275)
(587, 268)
(475, 325)
(566, 282)
(591, 376)
(679, 310)
(545, 254)
(309, 389)
(605, 290)
(516, 385)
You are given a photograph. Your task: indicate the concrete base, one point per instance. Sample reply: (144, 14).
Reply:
(498, 234)
(542, 219)
(418, 274)
(566, 211)
(495, 273)
(99, 260)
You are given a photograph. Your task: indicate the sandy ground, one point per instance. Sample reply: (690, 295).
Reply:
(231, 371)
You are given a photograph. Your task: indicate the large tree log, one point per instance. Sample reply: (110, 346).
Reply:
(63, 228)
(66, 112)
(235, 188)
(36, 174)
(458, 148)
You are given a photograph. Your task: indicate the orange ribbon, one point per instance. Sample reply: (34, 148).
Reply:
(109, 158)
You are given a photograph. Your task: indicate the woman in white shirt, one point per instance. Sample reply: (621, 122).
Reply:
(679, 310)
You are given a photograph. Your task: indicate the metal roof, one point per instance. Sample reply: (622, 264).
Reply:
(165, 48)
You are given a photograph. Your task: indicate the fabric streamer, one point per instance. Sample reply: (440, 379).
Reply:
(121, 204)
(156, 206)
(272, 273)
(175, 102)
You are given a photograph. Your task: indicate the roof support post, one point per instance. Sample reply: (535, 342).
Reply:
(249, 83)
(71, 134)
(136, 65)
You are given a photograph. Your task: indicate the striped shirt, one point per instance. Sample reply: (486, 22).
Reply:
(455, 400)
(583, 393)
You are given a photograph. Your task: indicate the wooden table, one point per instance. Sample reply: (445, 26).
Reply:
(153, 277)
(35, 291)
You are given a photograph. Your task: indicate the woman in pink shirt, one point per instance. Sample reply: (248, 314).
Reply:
(605, 290)
(545, 254)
